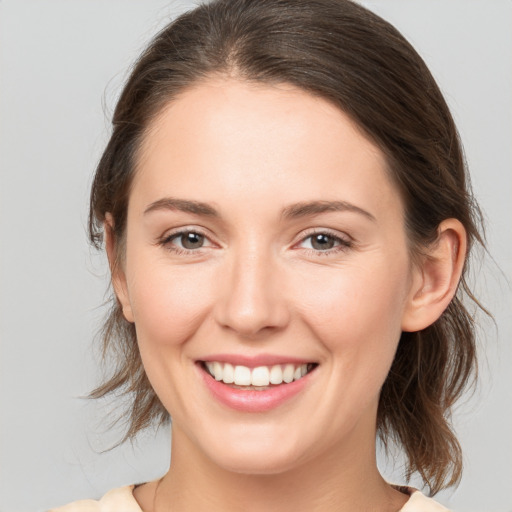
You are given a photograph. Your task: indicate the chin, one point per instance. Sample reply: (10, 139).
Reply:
(265, 455)
(257, 465)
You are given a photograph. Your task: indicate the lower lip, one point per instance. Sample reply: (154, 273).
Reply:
(253, 401)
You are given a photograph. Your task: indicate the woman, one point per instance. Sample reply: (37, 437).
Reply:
(286, 213)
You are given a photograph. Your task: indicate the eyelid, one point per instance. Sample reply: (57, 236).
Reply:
(344, 237)
(166, 239)
(183, 229)
(344, 242)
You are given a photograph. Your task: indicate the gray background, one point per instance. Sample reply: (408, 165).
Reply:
(62, 64)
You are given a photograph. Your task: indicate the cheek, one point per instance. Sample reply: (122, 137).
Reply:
(168, 303)
(169, 306)
(356, 309)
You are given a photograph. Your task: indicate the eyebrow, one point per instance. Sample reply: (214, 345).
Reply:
(316, 207)
(184, 205)
(297, 210)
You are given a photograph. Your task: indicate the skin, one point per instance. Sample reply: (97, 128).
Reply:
(257, 285)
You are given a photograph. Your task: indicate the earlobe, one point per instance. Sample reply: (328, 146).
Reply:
(436, 278)
(117, 274)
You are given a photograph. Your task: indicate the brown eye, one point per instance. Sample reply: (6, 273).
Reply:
(322, 242)
(186, 241)
(191, 240)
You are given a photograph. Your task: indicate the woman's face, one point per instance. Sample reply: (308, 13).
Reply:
(264, 237)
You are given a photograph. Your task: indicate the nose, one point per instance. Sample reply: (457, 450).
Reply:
(252, 299)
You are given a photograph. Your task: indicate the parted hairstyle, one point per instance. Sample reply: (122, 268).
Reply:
(341, 52)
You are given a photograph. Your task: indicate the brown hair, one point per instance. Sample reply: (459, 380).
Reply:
(339, 51)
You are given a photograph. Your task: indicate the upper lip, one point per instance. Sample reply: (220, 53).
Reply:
(256, 360)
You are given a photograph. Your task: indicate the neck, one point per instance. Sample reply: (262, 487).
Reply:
(342, 480)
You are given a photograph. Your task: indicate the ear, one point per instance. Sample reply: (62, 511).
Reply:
(117, 274)
(436, 277)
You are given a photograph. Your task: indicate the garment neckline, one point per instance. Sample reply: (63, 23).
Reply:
(404, 489)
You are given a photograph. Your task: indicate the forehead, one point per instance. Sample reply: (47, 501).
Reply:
(225, 138)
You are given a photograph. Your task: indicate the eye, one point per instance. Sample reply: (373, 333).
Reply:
(324, 242)
(190, 240)
(185, 241)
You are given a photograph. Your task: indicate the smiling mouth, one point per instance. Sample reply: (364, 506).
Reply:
(259, 378)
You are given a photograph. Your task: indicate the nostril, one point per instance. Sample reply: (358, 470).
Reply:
(252, 304)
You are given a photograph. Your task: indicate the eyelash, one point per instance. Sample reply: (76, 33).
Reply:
(343, 243)
(166, 242)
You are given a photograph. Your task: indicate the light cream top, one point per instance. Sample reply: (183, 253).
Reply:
(122, 500)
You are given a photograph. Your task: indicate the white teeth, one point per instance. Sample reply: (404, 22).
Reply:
(229, 374)
(242, 376)
(217, 371)
(276, 374)
(288, 372)
(261, 376)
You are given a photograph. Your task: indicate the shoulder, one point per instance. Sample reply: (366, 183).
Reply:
(116, 499)
(418, 502)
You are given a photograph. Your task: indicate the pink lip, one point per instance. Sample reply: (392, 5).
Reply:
(255, 361)
(252, 401)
